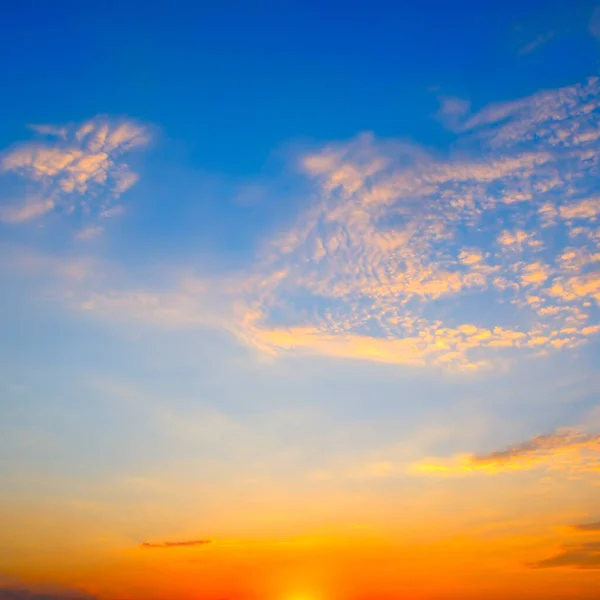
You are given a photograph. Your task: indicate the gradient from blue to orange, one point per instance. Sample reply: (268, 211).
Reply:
(300, 301)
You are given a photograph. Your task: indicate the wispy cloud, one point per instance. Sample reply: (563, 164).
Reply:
(50, 130)
(595, 23)
(539, 41)
(80, 169)
(452, 110)
(581, 556)
(89, 232)
(31, 208)
(587, 527)
(562, 450)
(184, 544)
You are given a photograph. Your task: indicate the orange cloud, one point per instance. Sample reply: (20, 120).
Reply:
(580, 557)
(75, 162)
(563, 449)
(588, 208)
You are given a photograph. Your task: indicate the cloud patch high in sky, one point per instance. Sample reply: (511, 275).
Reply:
(398, 244)
(73, 169)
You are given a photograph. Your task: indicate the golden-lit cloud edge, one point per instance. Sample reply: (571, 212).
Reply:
(562, 450)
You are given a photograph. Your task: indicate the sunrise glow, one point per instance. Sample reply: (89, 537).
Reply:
(300, 300)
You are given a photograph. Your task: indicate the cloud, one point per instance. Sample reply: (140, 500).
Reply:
(188, 306)
(89, 232)
(582, 556)
(19, 593)
(585, 527)
(397, 243)
(81, 169)
(561, 450)
(104, 291)
(540, 40)
(587, 208)
(551, 118)
(395, 246)
(595, 23)
(30, 209)
(175, 544)
(452, 110)
(50, 130)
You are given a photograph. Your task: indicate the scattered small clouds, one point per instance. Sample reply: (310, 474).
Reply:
(394, 246)
(80, 169)
(562, 450)
(398, 242)
(184, 544)
(580, 557)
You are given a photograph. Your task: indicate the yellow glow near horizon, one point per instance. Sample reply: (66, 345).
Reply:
(304, 595)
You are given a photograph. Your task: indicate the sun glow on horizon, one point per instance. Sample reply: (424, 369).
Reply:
(303, 596)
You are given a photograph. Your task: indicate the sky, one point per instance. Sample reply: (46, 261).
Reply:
(300, 300)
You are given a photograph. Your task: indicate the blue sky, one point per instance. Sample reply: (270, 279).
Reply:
(321, 72)
(321, 255)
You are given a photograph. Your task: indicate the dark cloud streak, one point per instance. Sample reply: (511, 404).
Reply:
(582, 557)
(164, 545)
(587, 526)
(18, 593)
